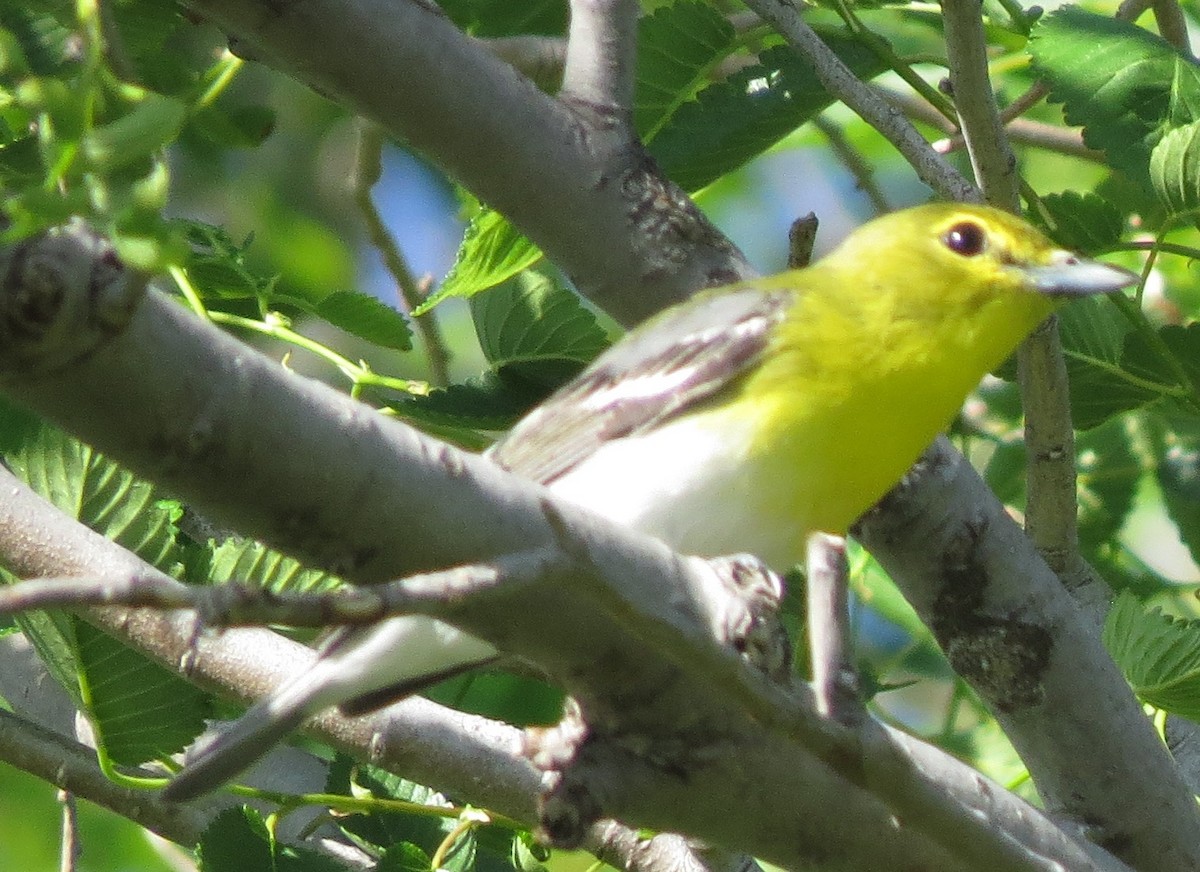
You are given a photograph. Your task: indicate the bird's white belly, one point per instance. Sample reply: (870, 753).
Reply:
(693, 487)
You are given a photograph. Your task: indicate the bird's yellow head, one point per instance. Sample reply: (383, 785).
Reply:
(975, 276)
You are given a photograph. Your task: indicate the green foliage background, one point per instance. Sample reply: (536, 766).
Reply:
(234, 185)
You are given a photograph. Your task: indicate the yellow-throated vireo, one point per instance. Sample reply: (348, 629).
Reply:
(741, 420)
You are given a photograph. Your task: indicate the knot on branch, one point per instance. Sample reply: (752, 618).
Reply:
(566, 806)
(750, 621)
(668, 225)
(62, 293)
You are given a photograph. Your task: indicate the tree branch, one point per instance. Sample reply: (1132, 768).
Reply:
(992, 157)
(837, 78)
(602, 58)
(72, 766)
(465, 106)
(1014, 633)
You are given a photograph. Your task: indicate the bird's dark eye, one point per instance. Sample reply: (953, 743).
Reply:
(966, 238)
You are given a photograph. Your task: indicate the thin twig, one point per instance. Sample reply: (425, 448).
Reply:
(1172, 26)
(69, 848)
(979, 117)
(834, 679)
(233, 605)
(801, 237)
(852, 160)
(841, 82)
(367, 170)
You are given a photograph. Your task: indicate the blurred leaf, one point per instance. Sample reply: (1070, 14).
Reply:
(1177, 447)
(536, 329)
(366, 317)
(514, 699)
(141, 710)
(1175, 168)
(233, 126)
(737, 119)
(1005, 472)
(52, 635)
(150, 126)
(145, 27)
(1081, 222)
(312, 256)
(1125, 86)
(20, 162)
(41, 37)
(679, 45)
(492, 252)
(1164, 368)
(1107, 482)
(1159, 654)
(17, 426)
(498, 18)
(529, 855)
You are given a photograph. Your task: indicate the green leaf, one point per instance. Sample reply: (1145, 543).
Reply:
(238, 840)
(1163, 367)
(91, 488)
(145, 27)
(424, 831)
(739, 118)
(366, 317)
(528, 855)
(1159, 654)
(42, 39)
(537, 330)
(492, 251)
(1125, 86)
(1005, 473)
(1093, 336)
(490, 402)
(403, 857)
(1177, 445)
(1107, 481)
(140, 710)
(679, 46)
(150, 126)
(1175, 168)
(498, 18)
(1081, 222)
(217, 265)
(247, 562)
(461, 857)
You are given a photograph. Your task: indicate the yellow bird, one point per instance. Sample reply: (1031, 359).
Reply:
(741, 420)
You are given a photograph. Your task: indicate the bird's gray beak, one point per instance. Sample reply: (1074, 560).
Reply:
(1069, 275)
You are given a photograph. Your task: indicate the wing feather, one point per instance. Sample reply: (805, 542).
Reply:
(680, 358)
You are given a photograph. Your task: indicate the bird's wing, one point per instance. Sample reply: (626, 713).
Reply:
(662, 368)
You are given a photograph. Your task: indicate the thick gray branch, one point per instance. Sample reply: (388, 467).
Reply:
(518, 149)
(602, 56)
(1016, 635)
